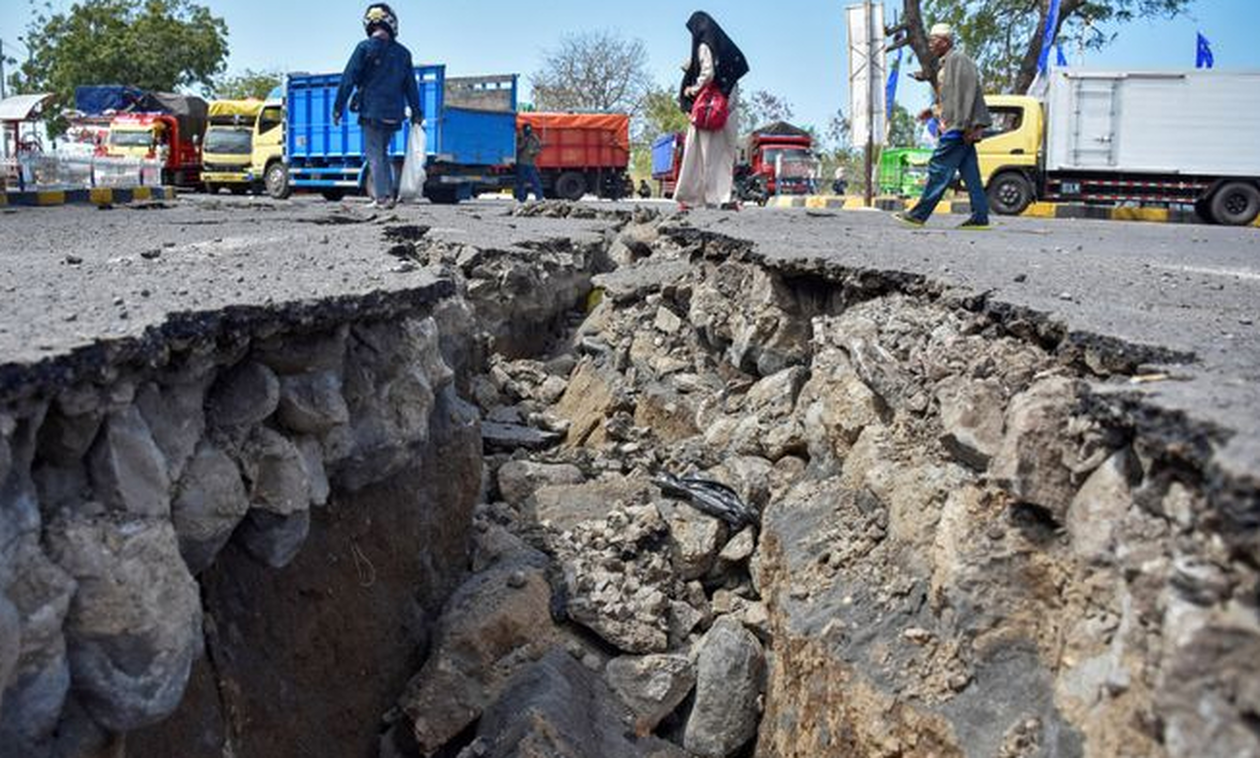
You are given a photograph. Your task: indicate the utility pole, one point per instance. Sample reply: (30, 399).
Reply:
(871, 84)
(3, 92)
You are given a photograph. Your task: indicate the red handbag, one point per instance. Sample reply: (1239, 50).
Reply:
(712, 109)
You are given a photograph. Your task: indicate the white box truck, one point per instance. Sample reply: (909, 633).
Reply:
(1171, 138)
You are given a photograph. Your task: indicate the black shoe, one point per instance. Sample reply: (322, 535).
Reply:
(908, 220)
(974, 225)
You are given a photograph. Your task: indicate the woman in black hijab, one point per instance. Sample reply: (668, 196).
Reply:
(708, 167)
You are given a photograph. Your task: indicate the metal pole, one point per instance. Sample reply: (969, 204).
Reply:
(870, 101)
(3, 93)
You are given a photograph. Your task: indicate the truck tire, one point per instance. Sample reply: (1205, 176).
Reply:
(212, 189)
(334, 195)
(1010, 193)
(1236, 204)
(277, 181)
(443, 195)
(571, 186)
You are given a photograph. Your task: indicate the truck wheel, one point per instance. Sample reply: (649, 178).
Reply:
(443, 195)
(571, 186)
(277, 181)
(1236, 204)
(334, 195)
(1010, 193)
(212, 189)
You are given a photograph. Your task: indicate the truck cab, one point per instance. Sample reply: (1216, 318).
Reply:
(781, 157)
(243, 138)
(158, 136)
(1010, 153)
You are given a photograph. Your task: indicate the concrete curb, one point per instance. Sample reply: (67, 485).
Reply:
(97, 196)
(962, 208)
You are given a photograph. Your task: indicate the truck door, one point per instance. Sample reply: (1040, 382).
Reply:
(1092, 139)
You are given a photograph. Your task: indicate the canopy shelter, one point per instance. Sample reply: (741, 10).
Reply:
(23, 107)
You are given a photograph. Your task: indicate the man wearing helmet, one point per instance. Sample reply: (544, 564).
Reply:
(382, 79)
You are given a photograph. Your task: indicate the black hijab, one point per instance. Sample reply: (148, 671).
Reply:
(728, 58)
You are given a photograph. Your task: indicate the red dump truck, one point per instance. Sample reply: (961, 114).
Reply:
(782, 157)
(583, 153)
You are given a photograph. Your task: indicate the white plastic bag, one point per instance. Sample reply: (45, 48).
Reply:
(411, 183)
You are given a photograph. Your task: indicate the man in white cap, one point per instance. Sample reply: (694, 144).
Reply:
(963, 118)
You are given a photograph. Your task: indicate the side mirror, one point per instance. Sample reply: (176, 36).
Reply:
(196, 140)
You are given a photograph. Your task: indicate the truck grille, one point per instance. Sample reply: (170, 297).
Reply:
(224, 168)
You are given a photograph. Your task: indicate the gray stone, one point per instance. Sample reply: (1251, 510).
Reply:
(210, 502)
(176, 417)
(312, 403)
(127, 469)
(740, 548)
(557, 708)
(565, 506)
(694, 539)
(731, 675)
(135, 626)
(244, 396)
(775, 396)
(1033, 462)
(667, 321)
(286, 354)
(1099, 507)
(653, 686)
(512, 437)
(277, 472)
(972, 420)
(518, 480)
(10, 643)
(316, 475)
(65, 439)
(488, 631)
(273, 539)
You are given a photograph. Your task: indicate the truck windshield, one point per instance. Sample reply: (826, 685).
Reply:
(795, 161)
(229, 141)
(131, 139)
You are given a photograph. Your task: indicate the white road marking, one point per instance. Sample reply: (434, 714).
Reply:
(1232, 273)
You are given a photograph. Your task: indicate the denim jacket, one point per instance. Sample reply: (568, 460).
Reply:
(382, 72)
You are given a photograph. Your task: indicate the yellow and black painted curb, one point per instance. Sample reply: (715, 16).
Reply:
(962, 207)
(97, 196)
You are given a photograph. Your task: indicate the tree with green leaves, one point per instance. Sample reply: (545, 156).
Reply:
(248, 84)
(156, 45)
(1005, 37)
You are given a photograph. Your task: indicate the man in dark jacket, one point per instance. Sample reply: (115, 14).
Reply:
(382, 78)
(964, 117)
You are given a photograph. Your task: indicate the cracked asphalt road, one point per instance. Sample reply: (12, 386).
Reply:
(73, 275)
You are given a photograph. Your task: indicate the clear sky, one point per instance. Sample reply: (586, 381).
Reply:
(795, 47)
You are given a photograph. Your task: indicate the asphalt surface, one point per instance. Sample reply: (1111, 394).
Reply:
(1187, 289)
(74, 275)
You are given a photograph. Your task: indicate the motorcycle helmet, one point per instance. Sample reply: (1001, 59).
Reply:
(380, 15)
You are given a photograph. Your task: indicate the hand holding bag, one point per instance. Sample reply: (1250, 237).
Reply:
(711, 110)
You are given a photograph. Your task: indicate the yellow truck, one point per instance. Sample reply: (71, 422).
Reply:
(243, 141)
(1133, 137)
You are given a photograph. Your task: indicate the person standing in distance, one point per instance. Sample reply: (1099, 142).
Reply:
(382, 80)
(528, 148)
(963, 116)
(707, 175)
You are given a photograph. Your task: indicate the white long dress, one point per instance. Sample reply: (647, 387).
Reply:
(707, 176)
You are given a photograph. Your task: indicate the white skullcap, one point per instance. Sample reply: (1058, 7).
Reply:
(942, 30)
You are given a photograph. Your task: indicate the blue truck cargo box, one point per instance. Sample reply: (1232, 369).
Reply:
(463, 144)
(663, 155)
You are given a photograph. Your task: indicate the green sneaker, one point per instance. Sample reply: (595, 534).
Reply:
(908, 220)
(972, 225)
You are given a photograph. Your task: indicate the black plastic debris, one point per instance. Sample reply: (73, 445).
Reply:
(709, 497)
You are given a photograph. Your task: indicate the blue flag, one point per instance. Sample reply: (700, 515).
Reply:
(1204, 59)
(890, 91)
(1061, 61)
(1047, 37)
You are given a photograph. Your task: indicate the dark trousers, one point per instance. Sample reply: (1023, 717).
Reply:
(376, 139)
(953, 156)
(527, 177)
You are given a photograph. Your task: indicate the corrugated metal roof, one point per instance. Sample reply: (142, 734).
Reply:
(20, 107)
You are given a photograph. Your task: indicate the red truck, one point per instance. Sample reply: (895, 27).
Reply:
(583, 153)
(775, 159)
(170, 130)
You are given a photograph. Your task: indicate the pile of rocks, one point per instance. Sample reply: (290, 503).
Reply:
(959, 550)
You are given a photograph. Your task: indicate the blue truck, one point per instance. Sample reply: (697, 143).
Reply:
(470, 127)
